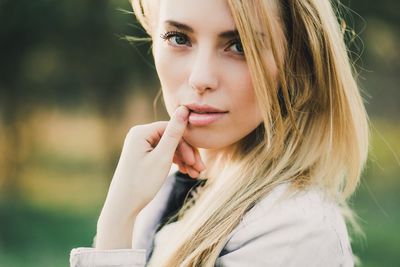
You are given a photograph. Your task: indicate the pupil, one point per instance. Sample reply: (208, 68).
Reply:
(180, 40)
(239, 47)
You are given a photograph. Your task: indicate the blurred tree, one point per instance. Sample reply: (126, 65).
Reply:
(378, 53)
(64, 53)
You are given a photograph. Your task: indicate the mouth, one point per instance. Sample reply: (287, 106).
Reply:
(206, 112)
(204, 119)
(203, 115)
(204, 109)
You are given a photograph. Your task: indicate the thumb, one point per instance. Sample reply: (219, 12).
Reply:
(174, 131)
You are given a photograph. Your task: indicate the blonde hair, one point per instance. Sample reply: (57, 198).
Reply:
(314, 130)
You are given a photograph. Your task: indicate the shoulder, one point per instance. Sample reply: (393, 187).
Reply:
(305, 208)
(303, 227)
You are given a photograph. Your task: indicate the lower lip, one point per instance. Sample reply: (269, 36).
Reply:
(197, 119)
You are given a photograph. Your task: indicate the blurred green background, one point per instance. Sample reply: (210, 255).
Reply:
(71, 87)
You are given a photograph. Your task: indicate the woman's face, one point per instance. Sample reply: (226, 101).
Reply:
(199, 60)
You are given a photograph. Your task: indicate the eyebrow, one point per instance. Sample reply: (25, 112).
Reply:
(224, 35)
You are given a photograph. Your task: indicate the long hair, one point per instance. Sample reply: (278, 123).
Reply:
(314, 130)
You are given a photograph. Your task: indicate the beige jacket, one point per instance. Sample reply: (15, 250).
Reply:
(305, 229)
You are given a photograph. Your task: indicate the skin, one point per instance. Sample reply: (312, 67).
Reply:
(147, 152)
(200, 66)
(205, 69)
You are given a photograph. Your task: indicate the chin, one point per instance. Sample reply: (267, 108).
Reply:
(204, 141)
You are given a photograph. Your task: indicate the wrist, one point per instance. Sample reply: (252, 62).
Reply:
(114, 232)
(115, 227)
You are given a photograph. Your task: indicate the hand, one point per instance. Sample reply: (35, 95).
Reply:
(145, 162)
(149, 151)
(188, 159)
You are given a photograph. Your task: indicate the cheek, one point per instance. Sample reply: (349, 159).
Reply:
(165, 65)
(170, 74)
(248, 113)
(237, 93)
(244, 102)
(246, 108)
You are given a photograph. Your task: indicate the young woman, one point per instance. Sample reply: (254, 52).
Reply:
(268, 131)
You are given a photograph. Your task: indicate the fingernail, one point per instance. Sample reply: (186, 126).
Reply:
(182, 112)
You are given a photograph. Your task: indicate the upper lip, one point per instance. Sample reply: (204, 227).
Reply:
(203, 108)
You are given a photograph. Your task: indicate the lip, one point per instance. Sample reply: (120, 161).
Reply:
(202, 119)
(197, 119)
(204, 108)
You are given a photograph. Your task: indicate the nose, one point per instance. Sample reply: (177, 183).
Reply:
(203, 75)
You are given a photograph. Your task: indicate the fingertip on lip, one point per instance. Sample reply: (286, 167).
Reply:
(183, 113)
(183, 107)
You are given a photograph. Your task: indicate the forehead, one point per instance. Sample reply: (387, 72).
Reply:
(201, 15)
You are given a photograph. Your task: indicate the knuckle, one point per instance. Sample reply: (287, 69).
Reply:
(134, 130)
(133, 133)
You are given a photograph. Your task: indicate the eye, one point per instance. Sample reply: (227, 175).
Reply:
(176, 38)
(237, 47)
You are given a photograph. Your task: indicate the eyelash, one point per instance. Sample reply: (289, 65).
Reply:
(169, 34)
